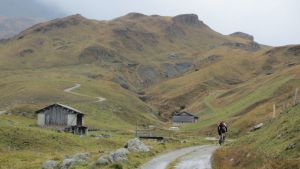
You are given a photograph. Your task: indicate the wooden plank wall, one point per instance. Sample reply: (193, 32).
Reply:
(56, 116)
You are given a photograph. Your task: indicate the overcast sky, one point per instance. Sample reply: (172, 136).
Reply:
(272, 22)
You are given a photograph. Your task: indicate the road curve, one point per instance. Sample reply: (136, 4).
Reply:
(197, 157)
(2, 112)
(77, 85)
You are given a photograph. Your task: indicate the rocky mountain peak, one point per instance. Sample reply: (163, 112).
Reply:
(243, 35)
(187, 19)
(134, 15)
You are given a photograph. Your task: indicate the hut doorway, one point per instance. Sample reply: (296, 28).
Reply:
(79, 119)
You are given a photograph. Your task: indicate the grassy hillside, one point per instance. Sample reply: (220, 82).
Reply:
(267, 147)
(146, 67)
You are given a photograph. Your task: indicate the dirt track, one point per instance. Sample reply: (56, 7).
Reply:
(197, 157)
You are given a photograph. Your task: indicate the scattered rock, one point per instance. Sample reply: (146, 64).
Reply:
(252, 46)
(184, 141)
(183, 67)
(79, 158)
(68, 163)
(169, 70)
(148, 74)
(99, 53)
(121, 81)
(119, 155)
(259, 126)
(135, 145)
(102, 136)
(290, 146)
(50, 164)
(26, 52)
(103, 160)
(144, 98)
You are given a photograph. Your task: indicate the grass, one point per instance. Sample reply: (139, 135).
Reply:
(35, 79)
(216, 114)
(265, 148)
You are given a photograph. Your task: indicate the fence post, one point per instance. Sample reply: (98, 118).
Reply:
(295, 97)
(274, 110)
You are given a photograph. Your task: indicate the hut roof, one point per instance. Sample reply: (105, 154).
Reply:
(75, 111)
(184, 113)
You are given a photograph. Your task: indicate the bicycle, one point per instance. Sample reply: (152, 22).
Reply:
(222, 139)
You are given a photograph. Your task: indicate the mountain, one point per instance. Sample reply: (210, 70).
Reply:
(141, 50)
(10, 26)
(148, 67)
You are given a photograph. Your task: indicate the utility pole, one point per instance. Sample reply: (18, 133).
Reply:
(295, 97)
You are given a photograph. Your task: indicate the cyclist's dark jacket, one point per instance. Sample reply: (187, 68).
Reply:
(222, 128)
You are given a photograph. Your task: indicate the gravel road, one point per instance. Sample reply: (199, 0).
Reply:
(197, 157)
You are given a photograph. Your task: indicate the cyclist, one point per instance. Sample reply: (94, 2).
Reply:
(222, 129)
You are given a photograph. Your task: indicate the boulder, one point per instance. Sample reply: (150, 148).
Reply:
(103, 160)
(119, 155)
(259, 126)
(135, 145)
(50, 164)
(290, 146)
(68, 163)
(79, 158)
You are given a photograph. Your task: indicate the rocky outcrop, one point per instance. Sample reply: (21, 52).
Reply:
(148, 74)
(295, 50)
(119, 155)
(61, 23)
(169, 70)
(183, 67)
(188, 19)
(135, 145)
(26, 52)
(134, 15)
(174, 31)
(102, 161)
(121, 81)
(79, 158)
(243, 35)
(50, 164)
(98, 53)
(290, 146)
(252, 46)
(135, 39)
(258, 126)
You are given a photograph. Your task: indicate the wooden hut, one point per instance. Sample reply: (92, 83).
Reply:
(184, 117)
(61, 116)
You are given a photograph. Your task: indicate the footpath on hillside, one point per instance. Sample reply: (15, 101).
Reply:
(198, 157)
(77, 85)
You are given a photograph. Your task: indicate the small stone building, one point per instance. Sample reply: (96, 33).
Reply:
(184, 117)
(61, 116)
